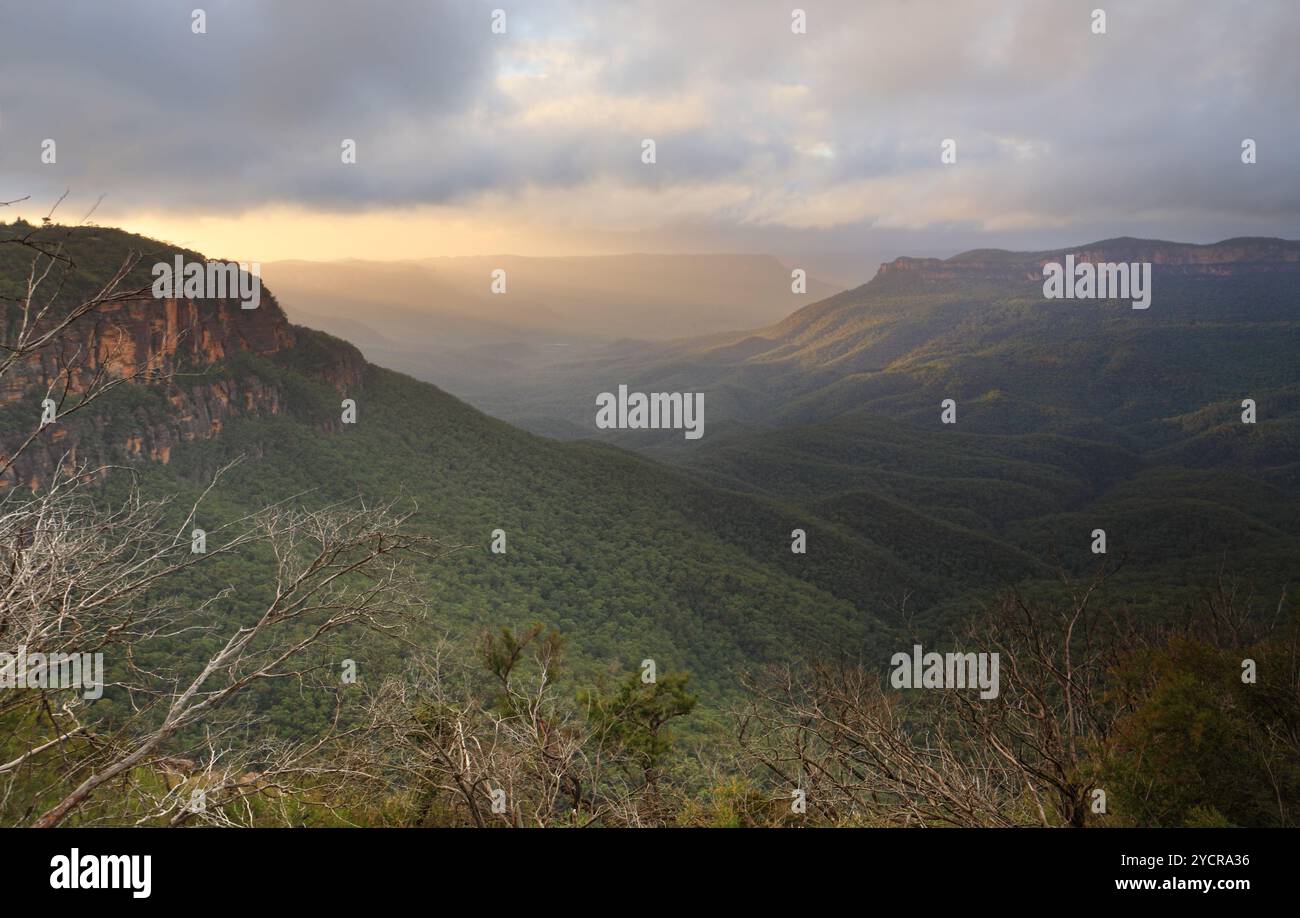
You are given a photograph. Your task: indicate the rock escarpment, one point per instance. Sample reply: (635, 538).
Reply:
(181, 351)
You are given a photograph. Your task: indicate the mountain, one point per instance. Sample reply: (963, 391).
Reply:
(1071, 417)
(976, 328)
(1071, 414)
(437, 319)
(630, 559)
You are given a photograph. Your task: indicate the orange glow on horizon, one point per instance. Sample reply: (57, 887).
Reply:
(279, 233)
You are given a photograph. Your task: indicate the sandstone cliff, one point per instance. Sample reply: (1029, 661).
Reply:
(191, 344)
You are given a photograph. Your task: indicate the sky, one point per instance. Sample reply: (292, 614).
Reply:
(822, 147)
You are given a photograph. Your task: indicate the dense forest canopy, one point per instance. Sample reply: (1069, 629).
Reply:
(430, 617)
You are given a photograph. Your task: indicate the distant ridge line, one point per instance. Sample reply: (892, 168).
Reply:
(1207, 258)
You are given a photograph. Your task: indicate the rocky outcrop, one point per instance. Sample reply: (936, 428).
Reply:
(188, 343)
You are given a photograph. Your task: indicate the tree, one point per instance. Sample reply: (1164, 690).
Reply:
(81, 575)
(635, 717)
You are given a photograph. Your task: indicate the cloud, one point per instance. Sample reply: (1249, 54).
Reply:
(758, 129)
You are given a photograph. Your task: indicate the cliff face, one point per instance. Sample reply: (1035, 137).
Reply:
(916, 309)
(1230, 257)
(176, 347)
